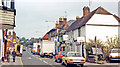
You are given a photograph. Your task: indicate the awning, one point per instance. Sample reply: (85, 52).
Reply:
(63, 45)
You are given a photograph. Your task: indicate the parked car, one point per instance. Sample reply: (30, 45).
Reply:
(73, 58)
(58, 58)
(24, 49)
(114, 55)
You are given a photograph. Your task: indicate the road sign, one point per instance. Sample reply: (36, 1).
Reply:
(80, 39)
(95, 38)
(65, 37)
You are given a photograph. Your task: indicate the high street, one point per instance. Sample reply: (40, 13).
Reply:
(29, 59)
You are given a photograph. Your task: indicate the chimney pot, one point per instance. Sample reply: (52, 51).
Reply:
(86, 11)
(77, 17)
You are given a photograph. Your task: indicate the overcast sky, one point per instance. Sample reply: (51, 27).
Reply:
(32, 14)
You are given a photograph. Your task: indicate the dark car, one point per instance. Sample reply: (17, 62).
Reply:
(58, 58)
(24, 49)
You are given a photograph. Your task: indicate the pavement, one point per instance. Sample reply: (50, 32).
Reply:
(17, 63)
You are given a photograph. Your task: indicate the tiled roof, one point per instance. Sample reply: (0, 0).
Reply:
(45, 37)
(83, 20)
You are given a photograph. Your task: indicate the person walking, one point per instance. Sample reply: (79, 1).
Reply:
(8, 54)
(14, 55)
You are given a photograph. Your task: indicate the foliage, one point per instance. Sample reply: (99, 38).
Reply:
(113, 42)
(92, 43)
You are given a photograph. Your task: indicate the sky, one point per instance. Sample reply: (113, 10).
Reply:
(32, 14)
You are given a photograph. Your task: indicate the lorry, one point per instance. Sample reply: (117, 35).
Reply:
(47, 48)
(35, 48)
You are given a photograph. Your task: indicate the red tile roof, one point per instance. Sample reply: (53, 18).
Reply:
(45, 37)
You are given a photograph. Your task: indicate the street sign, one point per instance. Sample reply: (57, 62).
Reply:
(80, 39)
(14, 40)
(95, 39)
(98, 50)
(65, 37)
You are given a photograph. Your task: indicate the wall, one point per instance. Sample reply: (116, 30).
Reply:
(75, 34)
(101, 31)
(1, 43)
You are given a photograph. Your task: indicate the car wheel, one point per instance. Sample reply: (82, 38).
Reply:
(82, 65)
(55, 60)
(68, 65)
(58, 61)
(62, 63)
(110, 61)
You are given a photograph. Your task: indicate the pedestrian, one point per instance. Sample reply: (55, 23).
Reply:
(14, 55)
(8, 54)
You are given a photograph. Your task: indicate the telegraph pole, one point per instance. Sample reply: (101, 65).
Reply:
(96, 48)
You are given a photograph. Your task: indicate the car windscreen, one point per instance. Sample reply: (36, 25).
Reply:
(74, 55)
(116, 51)
(63, 53)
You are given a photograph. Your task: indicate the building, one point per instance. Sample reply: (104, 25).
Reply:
(99, 23)
(7, 22)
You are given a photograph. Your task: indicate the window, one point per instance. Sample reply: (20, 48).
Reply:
(79, 32)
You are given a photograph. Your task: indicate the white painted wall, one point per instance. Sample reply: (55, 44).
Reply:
(82, 31)
(1, 43)
(101, 31)
(75, 34)
(103, 19)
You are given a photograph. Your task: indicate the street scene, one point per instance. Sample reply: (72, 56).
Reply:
(69, 33)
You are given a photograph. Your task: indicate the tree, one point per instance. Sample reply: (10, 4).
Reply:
(113, 42)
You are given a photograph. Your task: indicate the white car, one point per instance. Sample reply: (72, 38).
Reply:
(73, 58)
(114, 55)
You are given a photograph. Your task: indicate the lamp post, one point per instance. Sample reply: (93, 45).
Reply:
(96, 49)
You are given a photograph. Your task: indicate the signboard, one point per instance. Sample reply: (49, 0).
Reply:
(21, 48)
(15, 47)
(14, 40)
(99, 50)
(80, 39)
(67, 41)
(7, 17)
(65, 37)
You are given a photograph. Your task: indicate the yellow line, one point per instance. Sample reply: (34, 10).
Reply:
(21, 61)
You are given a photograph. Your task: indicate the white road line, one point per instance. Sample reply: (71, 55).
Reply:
(41, 60)
(45, 62)
(29, 58)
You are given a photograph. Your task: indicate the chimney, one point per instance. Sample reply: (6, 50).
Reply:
(77, 17)
(61, 19)
(12, 4)
(65, 20)
(86, 11)
(57, 24)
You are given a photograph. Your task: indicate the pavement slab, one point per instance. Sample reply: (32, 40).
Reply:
(17, 63)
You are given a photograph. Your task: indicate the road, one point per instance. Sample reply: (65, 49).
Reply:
(30, 60)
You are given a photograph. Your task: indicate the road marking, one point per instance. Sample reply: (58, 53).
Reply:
(21, 61)
(45, 62)
(41, 59)
(29, 58)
